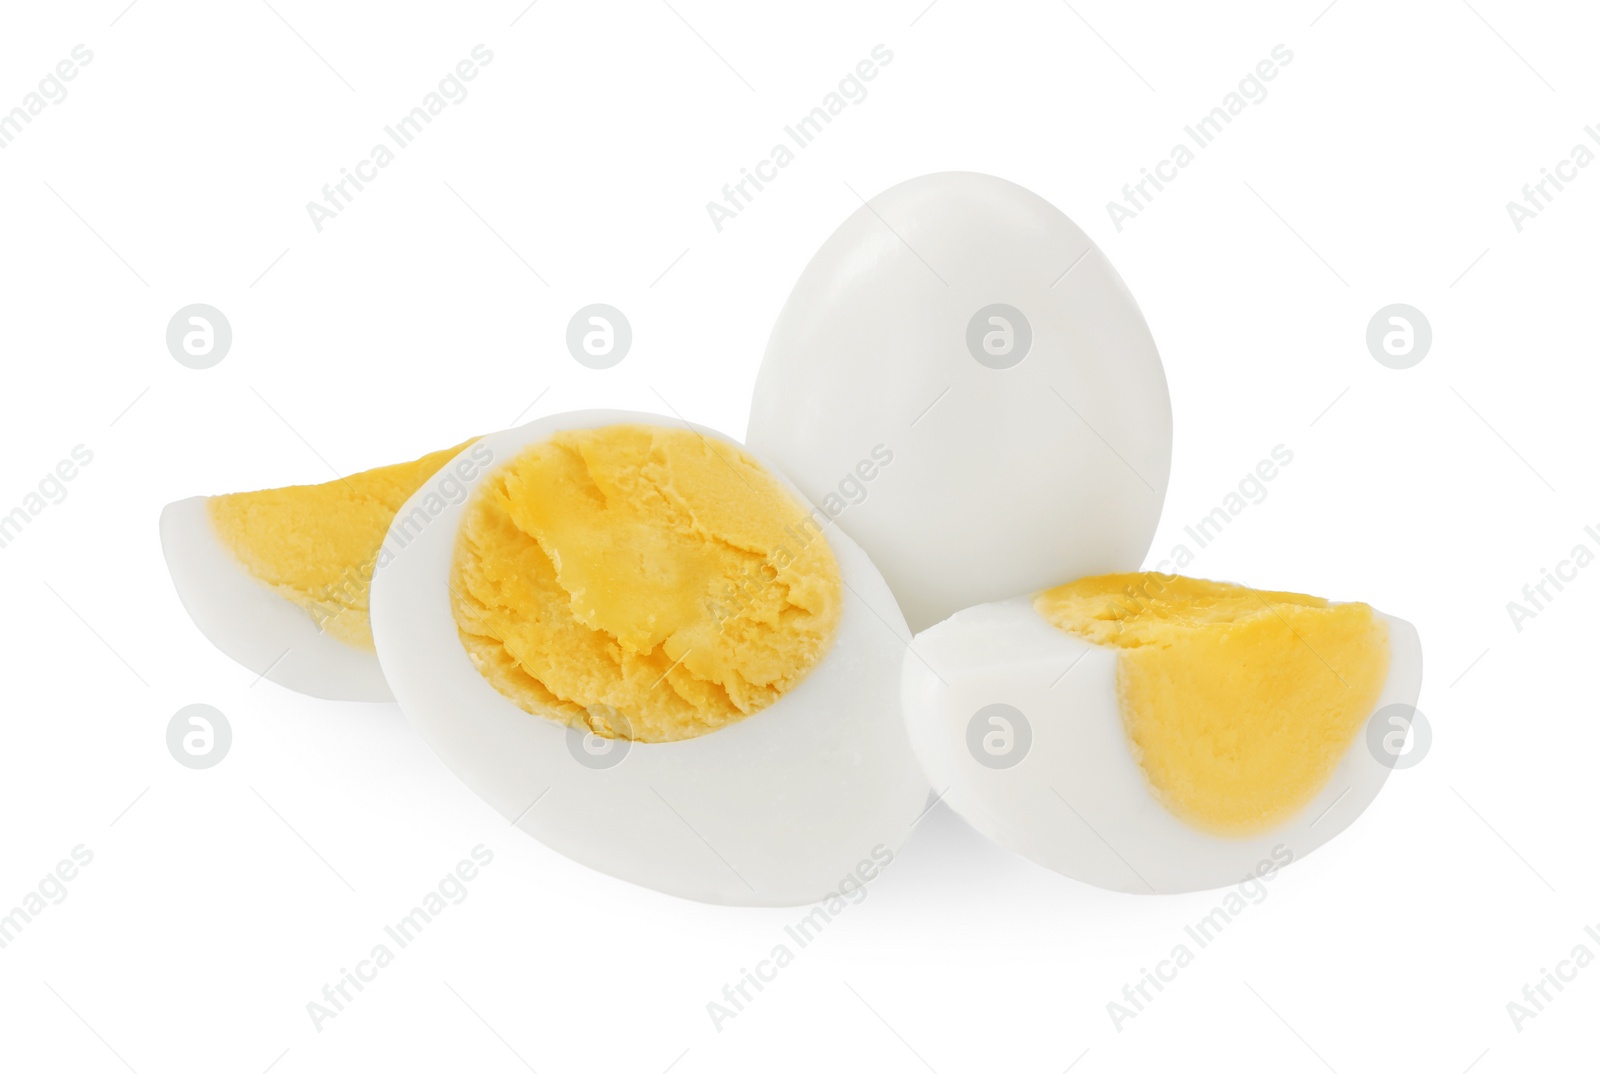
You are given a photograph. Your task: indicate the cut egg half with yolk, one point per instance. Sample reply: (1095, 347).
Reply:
(279, 579)
(1152, 733)
(643, 646)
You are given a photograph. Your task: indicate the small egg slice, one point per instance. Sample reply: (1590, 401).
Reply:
(1151, 733)
(642, 645)
(278, 579)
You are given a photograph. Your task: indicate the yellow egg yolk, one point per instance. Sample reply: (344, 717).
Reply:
(1239, 704)
(642, 582)
(316, 545)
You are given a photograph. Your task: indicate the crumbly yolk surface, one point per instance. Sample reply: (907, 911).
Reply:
(316, 545)
(642, 582)
(1239, 704)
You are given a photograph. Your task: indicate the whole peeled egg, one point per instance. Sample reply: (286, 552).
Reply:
(962, 380)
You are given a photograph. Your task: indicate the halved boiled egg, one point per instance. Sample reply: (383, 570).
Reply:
(278, 579)
(644, 647)
(1153, 733)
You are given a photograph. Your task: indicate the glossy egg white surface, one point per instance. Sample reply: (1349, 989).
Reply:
(774, 810)
(1056, 780)
(968, 328)
(270, 636)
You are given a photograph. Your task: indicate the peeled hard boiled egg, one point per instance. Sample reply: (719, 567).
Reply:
(1150, 733)
(640, 644)
(278, 579)
(964, 383)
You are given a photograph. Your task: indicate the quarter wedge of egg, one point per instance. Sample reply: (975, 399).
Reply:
(279, 579)
(640, 644)
(1150, 733)
(963, 381)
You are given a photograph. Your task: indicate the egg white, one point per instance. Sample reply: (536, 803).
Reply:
(242, 616)
(1077, 801)
(770, 811)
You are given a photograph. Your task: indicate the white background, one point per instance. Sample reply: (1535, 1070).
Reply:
(1377, 170)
